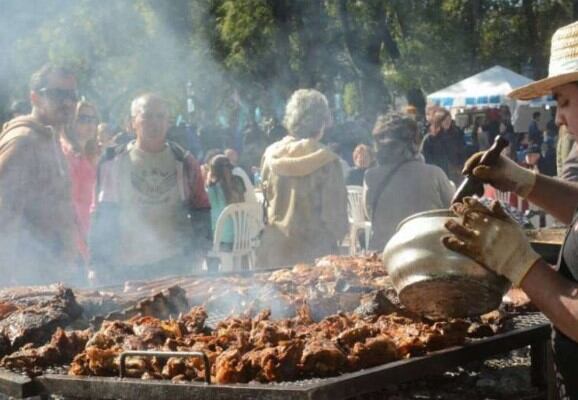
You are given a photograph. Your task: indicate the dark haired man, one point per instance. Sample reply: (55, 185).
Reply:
(36, 217)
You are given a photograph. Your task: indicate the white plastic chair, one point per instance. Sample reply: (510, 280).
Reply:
(357, 218)
(247, 224)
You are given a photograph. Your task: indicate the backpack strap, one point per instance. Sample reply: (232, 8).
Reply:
(381, 188)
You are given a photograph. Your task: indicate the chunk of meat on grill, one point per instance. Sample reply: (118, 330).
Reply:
(375, 304)
(323, 358)
(7, 308)
(95, 361)
(371, 352)
(445, 334)
(351, 336)
(32, 359)
(165, 304)
(332, 326)
(36, 323)
(230, 367)
(194, 320)
(276, 364)
(269, 333)
(150, 331)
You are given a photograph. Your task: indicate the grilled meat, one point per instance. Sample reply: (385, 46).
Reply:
(169, 302)
(371, 352)
(318, 337)
(322, 357)
(61, 349)
(230, 367)
(276, 364)
(375, 304)
(36, 323)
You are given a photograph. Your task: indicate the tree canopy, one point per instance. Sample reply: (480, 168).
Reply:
(254, 53)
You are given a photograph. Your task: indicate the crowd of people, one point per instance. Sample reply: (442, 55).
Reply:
(81, 203)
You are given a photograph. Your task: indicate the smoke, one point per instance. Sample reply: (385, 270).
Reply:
(122, 48)
(118, 48)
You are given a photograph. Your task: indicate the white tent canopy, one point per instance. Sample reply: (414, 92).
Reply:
(488, 88)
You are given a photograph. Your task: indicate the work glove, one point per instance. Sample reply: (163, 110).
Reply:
(490, 237)
(506, 175)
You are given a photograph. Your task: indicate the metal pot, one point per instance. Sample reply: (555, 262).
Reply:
(434, 281)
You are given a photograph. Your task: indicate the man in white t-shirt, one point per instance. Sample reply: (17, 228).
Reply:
(150, 197)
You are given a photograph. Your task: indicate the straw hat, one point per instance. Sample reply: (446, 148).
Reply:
(563, 65)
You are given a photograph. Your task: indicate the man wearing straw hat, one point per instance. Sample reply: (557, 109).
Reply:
(494, 240)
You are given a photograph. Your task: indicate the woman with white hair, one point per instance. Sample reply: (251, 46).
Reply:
(303, 186)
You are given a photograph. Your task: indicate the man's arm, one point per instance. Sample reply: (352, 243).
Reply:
(16, 181)
(555, 196)
(555, 296)
(198, 195)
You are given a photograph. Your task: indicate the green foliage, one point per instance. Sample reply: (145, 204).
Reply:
(351, 99)
(264, 49)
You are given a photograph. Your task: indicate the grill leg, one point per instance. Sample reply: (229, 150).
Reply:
(542, 368)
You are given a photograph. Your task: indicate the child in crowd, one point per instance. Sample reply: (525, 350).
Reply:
(223, 188)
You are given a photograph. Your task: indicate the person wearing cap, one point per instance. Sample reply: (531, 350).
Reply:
(501, 245)
(402, 183)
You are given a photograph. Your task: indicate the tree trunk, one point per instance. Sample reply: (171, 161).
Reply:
(534, 39)
(282, 14)
(476, 17)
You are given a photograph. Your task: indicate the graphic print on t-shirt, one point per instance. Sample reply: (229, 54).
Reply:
(153, 186)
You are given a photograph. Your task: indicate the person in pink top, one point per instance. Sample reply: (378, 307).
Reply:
(80, 149)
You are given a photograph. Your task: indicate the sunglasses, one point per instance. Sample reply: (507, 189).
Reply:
(59, 95)
(86, 119)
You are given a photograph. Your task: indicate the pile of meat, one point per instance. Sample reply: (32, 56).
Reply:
(320, 321)
(32, 323)
(244, 349)
(332, 284)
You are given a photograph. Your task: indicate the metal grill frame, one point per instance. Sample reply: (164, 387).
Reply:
(337, 388)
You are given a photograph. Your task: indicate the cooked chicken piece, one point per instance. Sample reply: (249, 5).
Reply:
(174, 366)
(61, 350)
(446, 334)
(322, 358)
(36, 323)
(194, 320)
(375, 304)
(268, 333)
(95, 361)
(349, 337)
(7, 308)
(149, 330)
(276, 364)
(135, 367)
(32, 359)
(373, 351)
(230, 367)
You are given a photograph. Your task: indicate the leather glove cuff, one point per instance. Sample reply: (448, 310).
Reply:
(518, 266)
(525, 180)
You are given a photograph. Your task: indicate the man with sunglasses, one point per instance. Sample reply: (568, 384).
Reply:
(36, 216)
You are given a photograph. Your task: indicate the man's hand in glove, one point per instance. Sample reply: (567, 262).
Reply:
(506, 175)
(492, 238)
